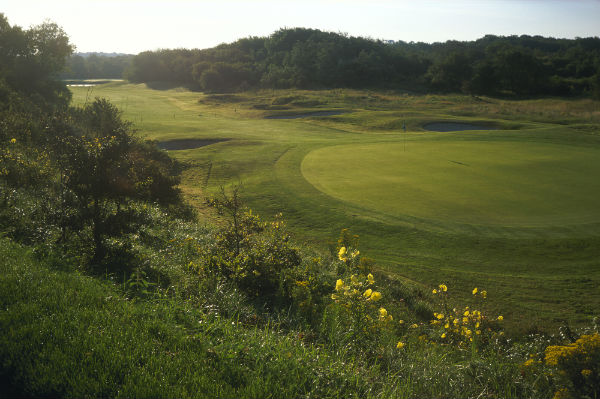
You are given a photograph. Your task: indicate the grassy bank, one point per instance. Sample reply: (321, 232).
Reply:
(70, 335)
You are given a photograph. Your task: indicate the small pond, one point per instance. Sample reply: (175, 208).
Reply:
(187, 144)
(455, 127)
(307, 115)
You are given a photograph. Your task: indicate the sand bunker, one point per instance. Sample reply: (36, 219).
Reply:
(187, 144)
(307, 115)
(454, 127)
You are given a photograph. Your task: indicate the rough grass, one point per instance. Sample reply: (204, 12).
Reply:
(541, 272)
(67, 335)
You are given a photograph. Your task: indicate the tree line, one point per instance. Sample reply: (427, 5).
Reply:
(96, 66)
(310, 58)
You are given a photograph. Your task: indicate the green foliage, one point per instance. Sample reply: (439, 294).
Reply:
(309, 58)
(31, 60)
(252, 254)
(160, 343)
(70, 176)
(102, 169)
(96, 66)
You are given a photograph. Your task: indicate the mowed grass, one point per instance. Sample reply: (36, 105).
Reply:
(533, 242)
(508, 183)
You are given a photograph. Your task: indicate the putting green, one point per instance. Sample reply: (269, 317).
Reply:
(509, 183)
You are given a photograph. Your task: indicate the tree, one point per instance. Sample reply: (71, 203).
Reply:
(31, 60)
(452, 73)
(104, 169)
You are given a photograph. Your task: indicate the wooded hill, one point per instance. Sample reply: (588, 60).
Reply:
(309, 58)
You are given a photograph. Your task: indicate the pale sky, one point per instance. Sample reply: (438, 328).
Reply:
(132, 26)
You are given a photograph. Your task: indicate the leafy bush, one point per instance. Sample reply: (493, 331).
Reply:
(253, 254)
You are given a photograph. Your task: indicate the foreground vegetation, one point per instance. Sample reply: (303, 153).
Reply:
(110, 286)
(67, 334)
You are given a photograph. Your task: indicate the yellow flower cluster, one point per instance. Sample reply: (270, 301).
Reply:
(441, 288)
(344, 256)
(586, 372)
(530, 362)
(357, 298)
(460, 326)
(586, 346)
(574, 361)
(384, 316)
(352, 289)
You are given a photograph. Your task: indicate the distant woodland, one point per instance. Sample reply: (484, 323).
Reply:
(309, 58)
(96, 65)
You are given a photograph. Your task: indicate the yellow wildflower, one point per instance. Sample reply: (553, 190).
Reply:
(500, 318)
(440, 316)
(447, 325)
(400, 345)
(13, 141)
(382, 312)
(375, 296)
(368, 293)
(354, 279)
(370, 279)
(474, 290)
(342, 254)
(586, 372)
(334, 297)
(414, 326)
(400, 321)
(339, 284)
(467, 313)
(484, 294)
(355, 253)
(529, 362)
(434, 291)
(443, 287)
(443, 335)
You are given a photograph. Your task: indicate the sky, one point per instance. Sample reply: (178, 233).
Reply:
(132, 26)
